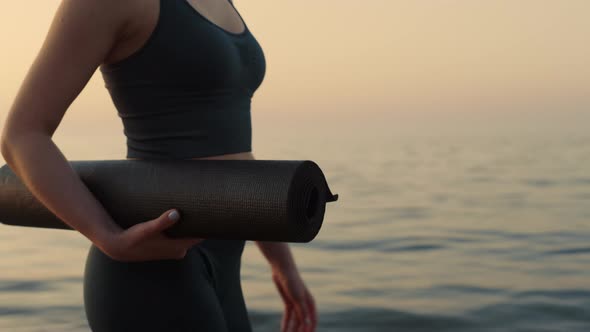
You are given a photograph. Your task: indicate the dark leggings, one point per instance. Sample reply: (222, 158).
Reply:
(201, 292)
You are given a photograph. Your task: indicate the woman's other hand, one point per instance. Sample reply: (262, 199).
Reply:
(145, 241)
(300, 313)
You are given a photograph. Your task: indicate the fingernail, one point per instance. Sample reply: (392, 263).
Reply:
(173, 215)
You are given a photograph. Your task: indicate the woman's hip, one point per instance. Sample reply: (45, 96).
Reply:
(153, 295)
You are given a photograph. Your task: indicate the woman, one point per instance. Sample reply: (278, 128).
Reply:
(181, 74)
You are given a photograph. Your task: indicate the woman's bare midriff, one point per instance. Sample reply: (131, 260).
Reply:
(232, 156)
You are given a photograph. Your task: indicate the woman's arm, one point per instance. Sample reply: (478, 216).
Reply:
(80, 37)
(79, 40)
(279, 256)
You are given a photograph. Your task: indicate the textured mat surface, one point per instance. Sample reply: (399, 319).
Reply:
(266, 200)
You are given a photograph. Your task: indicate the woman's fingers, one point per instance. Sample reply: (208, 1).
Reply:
(302, 322)
(287, 312)
(306, 314)
(179, 247)
(300, 308)
(146, 241)
(287, 323)
(299, 315)
(189, 242)
(313, 311)
(156, 226)
(291, 324)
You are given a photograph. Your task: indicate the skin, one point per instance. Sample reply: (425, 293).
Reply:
(83, 35)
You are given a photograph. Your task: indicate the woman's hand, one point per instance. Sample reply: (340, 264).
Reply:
(145, 241)
(300, 312)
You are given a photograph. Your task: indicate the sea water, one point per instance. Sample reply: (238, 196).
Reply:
(439, 227)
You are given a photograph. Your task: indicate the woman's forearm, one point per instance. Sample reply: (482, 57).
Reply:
(42, 167)
(278, 255)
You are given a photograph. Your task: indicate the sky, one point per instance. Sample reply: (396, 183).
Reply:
(430, 58)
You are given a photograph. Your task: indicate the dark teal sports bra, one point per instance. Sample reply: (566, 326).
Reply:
(186, 93)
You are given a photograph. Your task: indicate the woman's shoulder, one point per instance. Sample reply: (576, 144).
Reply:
(117, 14)
(93, 16)
(123, 21)
(97, 9)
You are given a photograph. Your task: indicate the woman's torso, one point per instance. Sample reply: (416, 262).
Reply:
(145, 19)
(147, 47)
(144, 23)
(183, 80)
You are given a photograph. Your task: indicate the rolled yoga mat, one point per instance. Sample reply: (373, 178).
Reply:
(266, 200)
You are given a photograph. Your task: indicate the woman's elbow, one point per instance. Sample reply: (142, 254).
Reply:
(9, 142)
(5, 148)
